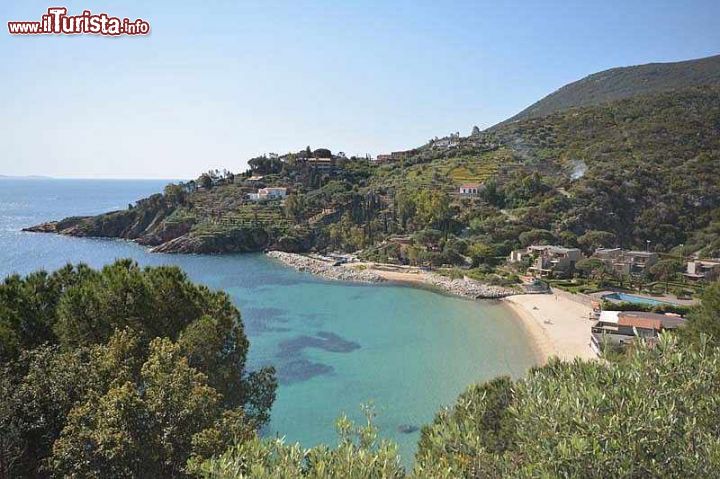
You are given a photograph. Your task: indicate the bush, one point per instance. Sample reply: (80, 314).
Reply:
(654, 414)
(358, 455)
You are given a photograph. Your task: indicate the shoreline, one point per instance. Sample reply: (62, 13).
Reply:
(555, 325)
(374, 273)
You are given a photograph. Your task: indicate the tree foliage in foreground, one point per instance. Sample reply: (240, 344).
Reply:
(122, 372)
(656, 414)
(358, 455)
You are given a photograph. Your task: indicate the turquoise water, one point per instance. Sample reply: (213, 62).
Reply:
(629, 298)
(335, 345)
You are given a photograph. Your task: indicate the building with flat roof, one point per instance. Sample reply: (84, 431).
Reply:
(616, 329)
(626, 262)
(548, 259)
(703, 270)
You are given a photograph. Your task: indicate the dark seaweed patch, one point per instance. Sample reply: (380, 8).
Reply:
(322, 340)
(301, 369)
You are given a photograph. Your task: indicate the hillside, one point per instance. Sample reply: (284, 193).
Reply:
(618, 174)
(625, 82)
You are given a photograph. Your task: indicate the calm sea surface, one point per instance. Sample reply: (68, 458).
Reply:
(335, 345)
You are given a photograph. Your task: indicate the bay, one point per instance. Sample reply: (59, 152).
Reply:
(335, 345)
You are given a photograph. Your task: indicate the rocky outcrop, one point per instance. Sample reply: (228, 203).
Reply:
(467, 288)
(325, 269)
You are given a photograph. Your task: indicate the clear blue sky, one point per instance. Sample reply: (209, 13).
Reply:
(218, 82)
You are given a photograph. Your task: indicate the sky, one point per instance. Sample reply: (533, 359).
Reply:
(219, 82)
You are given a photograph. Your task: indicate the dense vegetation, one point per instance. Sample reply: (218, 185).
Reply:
(122, 372)
(625, 82)
(623, 173)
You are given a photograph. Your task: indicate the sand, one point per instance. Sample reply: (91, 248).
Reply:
(557, 325)
(412, 276)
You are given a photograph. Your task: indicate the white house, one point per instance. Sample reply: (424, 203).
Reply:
(470, 189)
(270, 193)
(273, 192)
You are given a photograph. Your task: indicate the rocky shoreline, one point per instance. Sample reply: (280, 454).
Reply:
(465, 287)
(325, 269)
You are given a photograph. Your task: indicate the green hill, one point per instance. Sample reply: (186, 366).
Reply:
(628, 171)
(625, 82)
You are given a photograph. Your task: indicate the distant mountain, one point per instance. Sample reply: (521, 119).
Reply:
(28, 177)
(625, 82)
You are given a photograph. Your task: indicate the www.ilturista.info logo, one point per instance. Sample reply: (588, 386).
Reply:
(57, 22)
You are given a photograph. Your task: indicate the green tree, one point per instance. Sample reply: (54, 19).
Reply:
(704, 319)
(594, 239)
(295, 206)
(480, 253)
(594, 268)
(665, 270)
(108, 357)
(146, 422)
(536, 236)
(358, 455)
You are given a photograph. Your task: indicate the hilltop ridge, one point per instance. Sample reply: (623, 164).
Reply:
(625, 82)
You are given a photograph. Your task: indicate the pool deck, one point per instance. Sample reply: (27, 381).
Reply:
(664, 298)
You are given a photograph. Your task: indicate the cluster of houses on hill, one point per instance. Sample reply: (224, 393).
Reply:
(551, 260)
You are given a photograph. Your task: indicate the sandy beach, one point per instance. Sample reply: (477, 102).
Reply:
(405, 275)
(558, 326)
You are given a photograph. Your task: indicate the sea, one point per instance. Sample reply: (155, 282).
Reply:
(337, 346)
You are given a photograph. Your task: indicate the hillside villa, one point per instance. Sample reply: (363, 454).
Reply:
(321, 164)
(703, 270)
(624, 262)
(270, 193)
(547, 259)
(617, 329)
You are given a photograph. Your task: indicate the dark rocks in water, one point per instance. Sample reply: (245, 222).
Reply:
(323, 340)
(299, 370)
(407, 428)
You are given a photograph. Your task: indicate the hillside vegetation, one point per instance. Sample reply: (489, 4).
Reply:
(622, 173)
(625, 82)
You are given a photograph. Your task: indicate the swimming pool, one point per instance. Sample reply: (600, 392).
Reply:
(630, 298)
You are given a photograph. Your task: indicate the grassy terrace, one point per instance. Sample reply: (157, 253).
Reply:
(447, 173)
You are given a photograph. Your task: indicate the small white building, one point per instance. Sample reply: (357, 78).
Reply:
(270, 193)
(273, 192)
(470, 189)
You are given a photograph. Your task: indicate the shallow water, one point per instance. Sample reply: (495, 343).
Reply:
(335, 345)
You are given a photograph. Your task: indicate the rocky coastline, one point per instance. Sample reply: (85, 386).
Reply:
(465, 287)
(325, 269)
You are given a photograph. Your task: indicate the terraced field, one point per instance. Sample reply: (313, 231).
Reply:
(449, 173)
